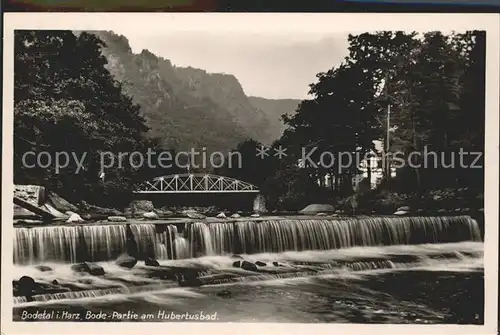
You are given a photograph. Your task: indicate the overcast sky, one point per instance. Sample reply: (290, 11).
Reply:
(269, 66)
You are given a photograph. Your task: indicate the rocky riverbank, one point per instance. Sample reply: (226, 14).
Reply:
(36, 206)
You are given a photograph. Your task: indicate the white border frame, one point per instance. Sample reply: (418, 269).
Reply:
(261, 23)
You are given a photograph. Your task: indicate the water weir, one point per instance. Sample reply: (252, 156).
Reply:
(79, 243)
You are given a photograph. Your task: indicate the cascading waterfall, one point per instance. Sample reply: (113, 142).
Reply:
(106, 242)
(89, 243)
(199, 237)
(68, 243)
(181, 247)
(165, 243)
(250, 237)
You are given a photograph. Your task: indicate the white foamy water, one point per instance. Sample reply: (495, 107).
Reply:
(356, 262)
(106, 242)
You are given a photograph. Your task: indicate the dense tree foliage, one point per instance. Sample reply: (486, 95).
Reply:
(66, 101)
(434, 85)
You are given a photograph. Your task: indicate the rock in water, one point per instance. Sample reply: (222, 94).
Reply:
(189, 279)
(404, 209)
(401, 213)
(26, 286)
(248, 266)
(259, 263)
(164, 213)
(94, 269)
(141, 206)
(236, 256)
(194, 215)
(23, 213)
(151, 262)
(90, 268)
(237, 264)
(73, 218)
(117, 219)
(60, 203)
(235, 216)
(126, 261)
(43, 268)
(221, 215)
(150, 216)
(317, 208)
(255, 215)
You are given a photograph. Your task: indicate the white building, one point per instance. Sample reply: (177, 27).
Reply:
(374, 162)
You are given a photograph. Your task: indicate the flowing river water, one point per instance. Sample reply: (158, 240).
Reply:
(364, 270)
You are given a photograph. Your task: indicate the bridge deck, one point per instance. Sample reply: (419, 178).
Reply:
(195, 183)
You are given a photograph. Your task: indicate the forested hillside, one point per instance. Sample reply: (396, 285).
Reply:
(188, 107)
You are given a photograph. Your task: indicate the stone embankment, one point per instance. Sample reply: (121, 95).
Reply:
(34, 205)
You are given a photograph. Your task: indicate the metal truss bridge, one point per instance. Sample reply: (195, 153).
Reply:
(195, 183)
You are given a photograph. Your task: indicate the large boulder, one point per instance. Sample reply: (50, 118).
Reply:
(188, 278)
(221, 215)
(60, 203)
(164, 213)
(126, 261)
(97, 211)
(248, 266)
(56, 213)
(314, 209)
(90, 268)
(149, 261)
(117, 219)
(34, 194)
(401, 213)
(150, 216)
(26, 286)
(23, 213)
(139, 207)
(74, 218)
(195, 215)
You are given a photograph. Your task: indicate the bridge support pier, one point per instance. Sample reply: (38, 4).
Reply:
(259, 204)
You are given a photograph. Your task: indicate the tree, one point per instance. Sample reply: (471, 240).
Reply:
(66, 101)
(339, 120)
(429, 80)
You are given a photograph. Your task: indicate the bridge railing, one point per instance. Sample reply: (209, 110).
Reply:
(196, 183)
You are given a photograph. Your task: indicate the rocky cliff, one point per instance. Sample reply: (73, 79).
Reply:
(188, 107)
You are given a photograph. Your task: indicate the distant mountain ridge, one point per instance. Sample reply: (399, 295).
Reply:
(187, 107)
(274, 109)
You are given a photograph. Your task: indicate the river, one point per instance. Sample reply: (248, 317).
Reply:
(367, 270)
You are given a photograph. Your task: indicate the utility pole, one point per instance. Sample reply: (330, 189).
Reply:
(388, 126)
(388, 145)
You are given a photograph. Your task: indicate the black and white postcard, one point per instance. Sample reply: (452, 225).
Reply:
(250, 173)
